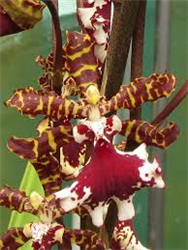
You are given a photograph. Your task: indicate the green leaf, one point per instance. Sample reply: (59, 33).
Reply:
(30, 182)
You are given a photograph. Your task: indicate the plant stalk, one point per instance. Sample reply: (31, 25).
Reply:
(176, 100)
(137, 51)
(57, 48)
(125, 12)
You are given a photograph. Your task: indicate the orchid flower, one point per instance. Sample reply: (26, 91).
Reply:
(91, 190)
(46, 232)
(93, 106)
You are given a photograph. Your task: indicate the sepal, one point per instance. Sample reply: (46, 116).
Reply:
(13, 239)
(141, 90)
(15, 199)
(32, 103)
(141, 131)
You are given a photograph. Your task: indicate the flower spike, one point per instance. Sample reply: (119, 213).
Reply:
(82, 150)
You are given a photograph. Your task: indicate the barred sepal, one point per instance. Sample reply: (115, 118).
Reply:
(141, 90)
(141, 131)
(25, 13)
(78, 61)
(15, 200)
(124, 236)
(49, 172)
(84, 238)
(32, 103)
(81, 62)
(49, 141)
(13, 239)
(41, 152)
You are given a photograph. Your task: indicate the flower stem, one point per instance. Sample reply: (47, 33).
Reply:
(124, 18)
(176, 100)
(57, 49)
(137, 50)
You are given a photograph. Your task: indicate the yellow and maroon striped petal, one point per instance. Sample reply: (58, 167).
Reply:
(15, 199)
(86, 239)
(49, 172)
(141, 90)
(49, 141)
(81, 63)
(41, 152)
(25, 13)
(78, 60)
(13, 239)
(32, 103)
(141, 131)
